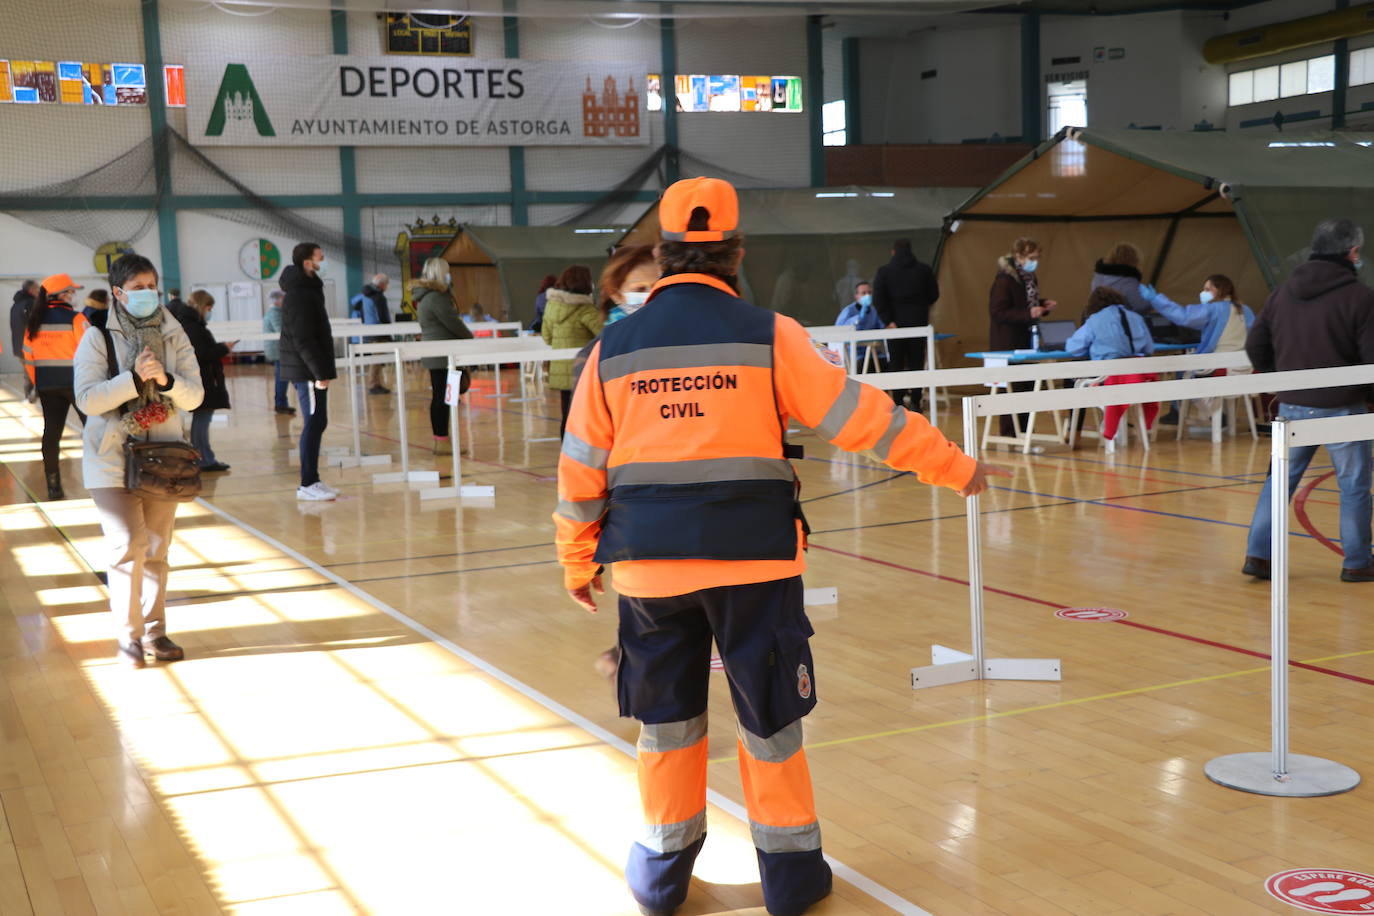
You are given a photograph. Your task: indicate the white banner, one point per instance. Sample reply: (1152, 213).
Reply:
(348, 101)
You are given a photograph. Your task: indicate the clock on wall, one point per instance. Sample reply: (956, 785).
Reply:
(260, 259)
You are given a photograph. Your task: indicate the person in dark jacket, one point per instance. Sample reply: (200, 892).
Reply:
(97, 307)
(1014, 306)
(307, 359)
(1321, 316)
(904, 289)
(370, 305)
(210, 355)
(19, 316)
(174, 300)
(1120, 271)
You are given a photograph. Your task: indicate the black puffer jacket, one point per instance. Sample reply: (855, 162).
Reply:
(210, 354)
(19, 314)
(904, 289)
(1321, 316)
(307, 348)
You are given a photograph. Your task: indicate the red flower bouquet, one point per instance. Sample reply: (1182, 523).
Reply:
(149, 415)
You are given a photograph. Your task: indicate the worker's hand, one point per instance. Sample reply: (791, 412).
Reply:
(322, 384)
(979, 482)
(583, 594)
(1038, 311)
(148, 366)
(1049, 304)
(891, 324)
(231, 345)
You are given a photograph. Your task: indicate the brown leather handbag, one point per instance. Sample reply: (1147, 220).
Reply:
(156, 470)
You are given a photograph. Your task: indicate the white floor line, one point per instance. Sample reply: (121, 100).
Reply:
(858, 880)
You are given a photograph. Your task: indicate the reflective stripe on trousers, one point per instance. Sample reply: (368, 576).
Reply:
(777, 791)
(672, 783)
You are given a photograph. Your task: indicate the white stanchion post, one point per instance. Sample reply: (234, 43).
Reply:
(353, 404)
(455, 439)
(1278, 772)
(951, 666)
(406, 475)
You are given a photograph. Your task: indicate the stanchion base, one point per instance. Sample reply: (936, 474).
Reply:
(1307, 777)
(406, 477)
(481, 494)
(951, 666)
(821, 596)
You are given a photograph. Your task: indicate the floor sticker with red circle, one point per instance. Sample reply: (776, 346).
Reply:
(1091, 613)
(1323, 890)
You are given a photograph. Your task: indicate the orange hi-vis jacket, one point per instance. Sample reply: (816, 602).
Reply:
(673, 465)
(49, 354)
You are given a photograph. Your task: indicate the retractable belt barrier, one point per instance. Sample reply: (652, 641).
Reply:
(950, 666)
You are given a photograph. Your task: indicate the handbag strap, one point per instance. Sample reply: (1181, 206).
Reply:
(112, 363)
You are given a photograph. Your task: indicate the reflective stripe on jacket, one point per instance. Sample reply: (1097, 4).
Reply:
(672, 467)
(48, 354)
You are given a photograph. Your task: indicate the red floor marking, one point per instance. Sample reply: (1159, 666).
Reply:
(1300, 510)
(1130, 623)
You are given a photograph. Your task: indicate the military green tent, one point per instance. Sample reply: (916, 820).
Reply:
(806, 247)
(1195, 203)
(503, 265)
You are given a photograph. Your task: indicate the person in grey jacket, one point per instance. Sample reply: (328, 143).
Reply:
(438, 317)
(1120, 270)
(271, 351)
(158, 378)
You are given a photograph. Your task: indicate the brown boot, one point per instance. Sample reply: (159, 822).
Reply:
(443, 445)
(130, 655)
(164, 650)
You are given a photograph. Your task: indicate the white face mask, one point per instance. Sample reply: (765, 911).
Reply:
(321, 267)
(633, 301)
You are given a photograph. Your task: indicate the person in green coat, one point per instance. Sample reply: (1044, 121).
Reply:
(438, 317)
(571, 319)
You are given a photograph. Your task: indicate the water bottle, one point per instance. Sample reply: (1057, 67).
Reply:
(1035, 337)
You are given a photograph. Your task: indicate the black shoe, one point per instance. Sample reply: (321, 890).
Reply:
(55, 487)
(1169, 419)
(1257, 567)
(1361, 574)
(164, 650)
(379, 389)
(131, 655)
(650, 911)
(286, 411)
(217, 467)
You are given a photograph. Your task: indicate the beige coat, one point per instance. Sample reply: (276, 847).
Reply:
(100, 397)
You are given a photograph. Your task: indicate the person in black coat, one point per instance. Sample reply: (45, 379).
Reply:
(904, 289)
(19, 316)
(307, 358)
(210, 355)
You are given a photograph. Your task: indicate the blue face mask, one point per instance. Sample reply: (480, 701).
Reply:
(1358, 262)
(1205, 296)
(866, 300)
(141, 303)
(1029, 266)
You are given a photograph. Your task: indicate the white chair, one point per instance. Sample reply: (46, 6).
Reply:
(1136, 411)
(1229, 407)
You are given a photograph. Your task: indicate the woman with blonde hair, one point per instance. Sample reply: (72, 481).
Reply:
(1120, 271)
(438, 317)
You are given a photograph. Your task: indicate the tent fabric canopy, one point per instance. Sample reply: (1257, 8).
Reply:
(805, 248)
(1194, 203)
(505, 264)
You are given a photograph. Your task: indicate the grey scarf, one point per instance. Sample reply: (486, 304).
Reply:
(140, 333)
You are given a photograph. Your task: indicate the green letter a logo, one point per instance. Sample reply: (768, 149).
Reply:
(238, 100)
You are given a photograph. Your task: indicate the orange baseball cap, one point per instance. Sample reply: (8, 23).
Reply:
(715, 196)
(58, 282)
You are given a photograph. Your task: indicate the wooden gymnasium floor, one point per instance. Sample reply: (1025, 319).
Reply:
(391, 708)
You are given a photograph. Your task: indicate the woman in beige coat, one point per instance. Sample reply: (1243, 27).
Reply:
(158, 379)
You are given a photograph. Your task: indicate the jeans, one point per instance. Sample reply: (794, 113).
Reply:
(279, 388)
(314, 406)
(907, 355)
(1352, 461)
(200, 435)
(55, 402)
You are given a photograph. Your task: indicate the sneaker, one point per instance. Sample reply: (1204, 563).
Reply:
(164, 650)
(286, 411)
(330, 488)
(1360, 574)
(379, 389)
(316, 492)
(216, 467)
(1259, 568)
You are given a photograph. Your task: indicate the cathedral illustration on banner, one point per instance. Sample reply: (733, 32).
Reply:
(611, 114)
